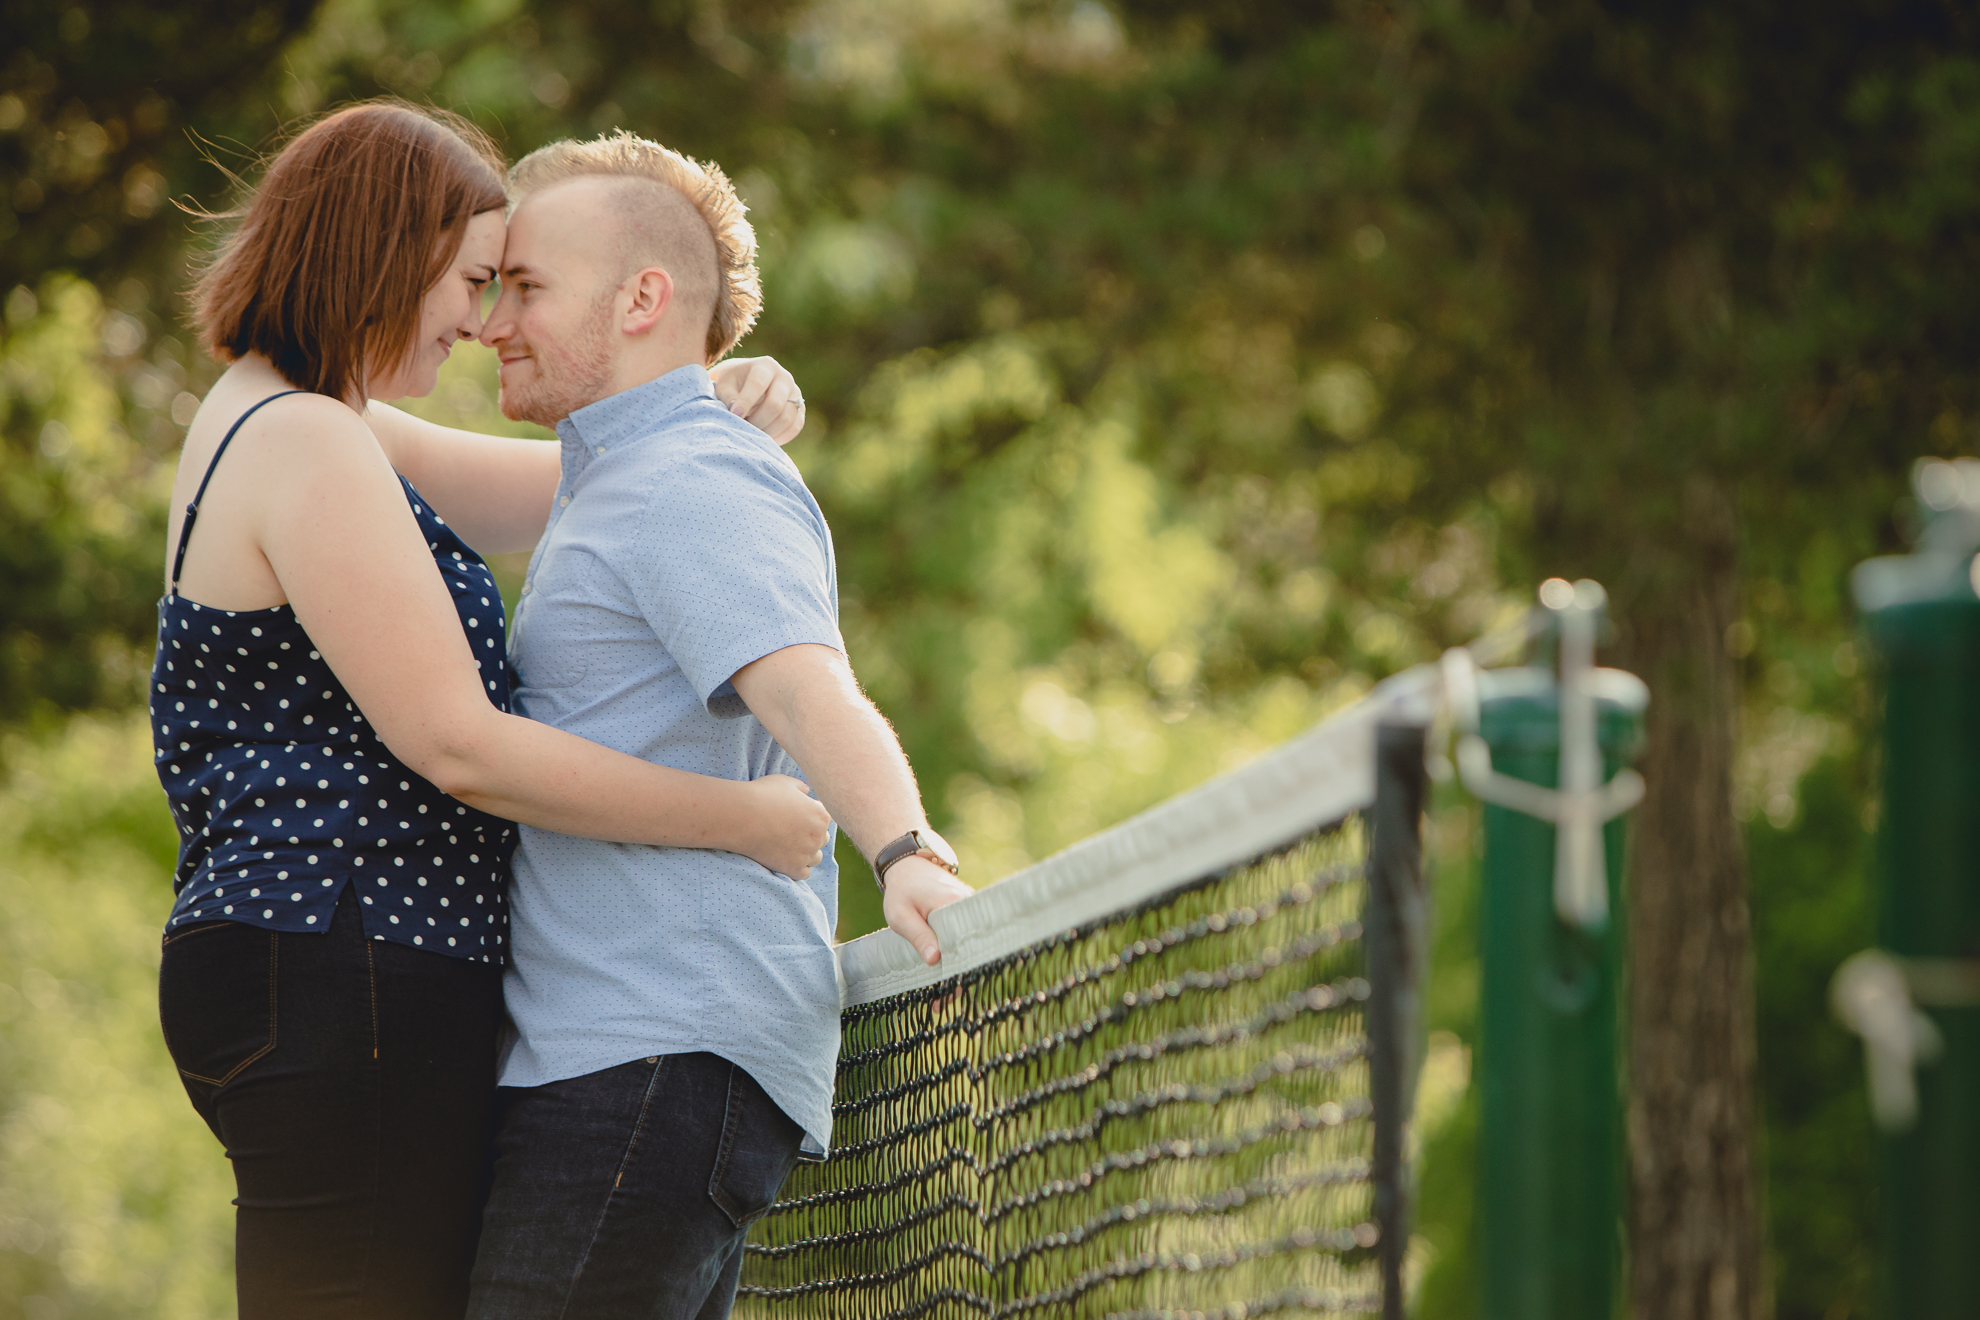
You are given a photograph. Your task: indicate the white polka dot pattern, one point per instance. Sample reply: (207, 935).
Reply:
(283, 792)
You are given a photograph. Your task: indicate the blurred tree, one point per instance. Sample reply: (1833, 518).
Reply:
(113, 1195)
(1176, 369)
(1704, 236)
(102, 109)
(96, 100)
(73, 543)
(1812, 910)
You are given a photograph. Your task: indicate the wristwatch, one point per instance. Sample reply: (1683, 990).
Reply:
(915, 843)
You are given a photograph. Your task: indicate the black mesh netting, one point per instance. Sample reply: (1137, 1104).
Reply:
(1163, 1114)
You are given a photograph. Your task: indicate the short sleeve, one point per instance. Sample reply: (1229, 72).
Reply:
(733, 561)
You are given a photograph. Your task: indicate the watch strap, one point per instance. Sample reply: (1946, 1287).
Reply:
(906, 846)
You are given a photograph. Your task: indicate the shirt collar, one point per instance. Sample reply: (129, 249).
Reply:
(633, 414)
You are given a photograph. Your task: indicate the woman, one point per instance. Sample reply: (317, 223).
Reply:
(329, 709)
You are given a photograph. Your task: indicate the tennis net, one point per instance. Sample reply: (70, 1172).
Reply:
(1161, 1074)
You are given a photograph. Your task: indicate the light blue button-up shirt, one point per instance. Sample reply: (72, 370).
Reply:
(682, 546)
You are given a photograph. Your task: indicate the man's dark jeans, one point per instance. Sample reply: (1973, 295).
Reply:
(628, 1192)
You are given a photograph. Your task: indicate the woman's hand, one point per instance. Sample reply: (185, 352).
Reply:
(762, 393)
(791, 837)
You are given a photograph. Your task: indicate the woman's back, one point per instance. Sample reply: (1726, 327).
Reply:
(223, 564)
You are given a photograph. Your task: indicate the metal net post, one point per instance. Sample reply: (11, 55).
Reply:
(1396, 936)
(1548, 758)
(1916, 998)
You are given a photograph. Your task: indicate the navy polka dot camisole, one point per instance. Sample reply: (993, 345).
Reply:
(283, 794)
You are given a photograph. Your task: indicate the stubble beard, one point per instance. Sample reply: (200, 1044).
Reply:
(569, 375)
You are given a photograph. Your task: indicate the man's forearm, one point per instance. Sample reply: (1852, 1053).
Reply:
(807, 698)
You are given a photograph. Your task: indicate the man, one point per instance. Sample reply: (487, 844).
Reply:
(676, 1011)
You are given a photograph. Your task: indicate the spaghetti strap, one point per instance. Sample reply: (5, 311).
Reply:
(192, 510)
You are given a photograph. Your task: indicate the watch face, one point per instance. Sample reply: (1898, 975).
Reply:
(938, 845)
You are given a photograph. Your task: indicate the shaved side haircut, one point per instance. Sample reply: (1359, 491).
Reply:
(672, 211)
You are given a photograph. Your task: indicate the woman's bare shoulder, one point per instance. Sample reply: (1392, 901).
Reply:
(315, 414)
(301, 431)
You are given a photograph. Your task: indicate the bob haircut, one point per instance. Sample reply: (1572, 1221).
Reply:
(354, 220)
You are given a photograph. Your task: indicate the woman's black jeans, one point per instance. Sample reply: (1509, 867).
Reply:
(352, 1082)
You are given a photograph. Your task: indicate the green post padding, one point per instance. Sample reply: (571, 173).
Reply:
(1923, 619)
(1550, 1144)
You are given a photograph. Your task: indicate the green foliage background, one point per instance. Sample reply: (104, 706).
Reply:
(1177, 370)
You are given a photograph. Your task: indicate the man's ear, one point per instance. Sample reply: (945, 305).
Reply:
(649, 294)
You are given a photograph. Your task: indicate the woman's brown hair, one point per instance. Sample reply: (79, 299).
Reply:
(354, 220)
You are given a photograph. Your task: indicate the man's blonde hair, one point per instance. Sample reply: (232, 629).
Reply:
(738, 292)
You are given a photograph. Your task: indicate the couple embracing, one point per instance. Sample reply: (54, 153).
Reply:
(506, 1001)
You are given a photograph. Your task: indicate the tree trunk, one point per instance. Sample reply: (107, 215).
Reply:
(1695, 1233)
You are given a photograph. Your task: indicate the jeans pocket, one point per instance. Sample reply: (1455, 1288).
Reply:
(216, 999)
(759, 1146)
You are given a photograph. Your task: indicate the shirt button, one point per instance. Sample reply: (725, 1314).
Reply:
(563, 501)
(601, 450)
(525, 590)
